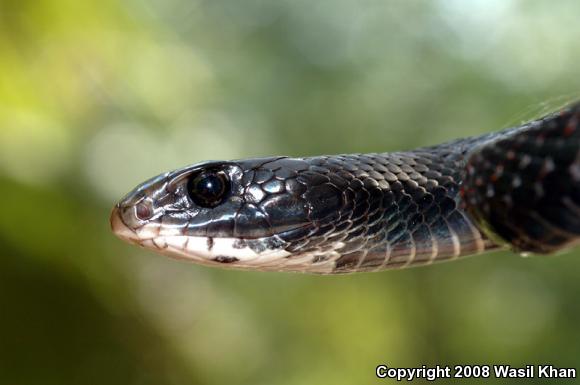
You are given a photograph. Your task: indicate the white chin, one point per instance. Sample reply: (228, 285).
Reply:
(231, 253)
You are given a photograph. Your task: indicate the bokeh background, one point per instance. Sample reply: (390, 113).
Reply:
(96, 96)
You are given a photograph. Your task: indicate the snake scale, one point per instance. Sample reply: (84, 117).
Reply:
(518, 188)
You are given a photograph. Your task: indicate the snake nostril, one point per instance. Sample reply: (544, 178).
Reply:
(143, 211)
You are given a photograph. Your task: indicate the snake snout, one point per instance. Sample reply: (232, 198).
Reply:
(120, 228)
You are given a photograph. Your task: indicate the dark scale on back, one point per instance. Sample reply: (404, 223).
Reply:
(526, 188)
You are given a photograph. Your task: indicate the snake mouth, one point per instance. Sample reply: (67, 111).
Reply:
(202, 249)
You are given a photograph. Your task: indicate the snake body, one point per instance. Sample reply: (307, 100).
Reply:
(517, 188)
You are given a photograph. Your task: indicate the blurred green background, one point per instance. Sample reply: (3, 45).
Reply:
(96, 96)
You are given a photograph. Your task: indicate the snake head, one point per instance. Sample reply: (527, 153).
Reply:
(246, 214)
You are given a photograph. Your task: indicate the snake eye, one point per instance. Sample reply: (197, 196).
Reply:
(209, 188)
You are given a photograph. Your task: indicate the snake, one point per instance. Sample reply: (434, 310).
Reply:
(517, 189)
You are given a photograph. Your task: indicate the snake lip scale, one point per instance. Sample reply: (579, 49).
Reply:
(518, 188)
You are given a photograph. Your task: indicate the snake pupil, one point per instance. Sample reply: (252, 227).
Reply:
(209, 188)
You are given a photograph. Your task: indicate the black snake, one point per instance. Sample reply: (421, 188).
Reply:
(517, 188)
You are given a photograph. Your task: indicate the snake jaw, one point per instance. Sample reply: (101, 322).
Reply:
(266, 253)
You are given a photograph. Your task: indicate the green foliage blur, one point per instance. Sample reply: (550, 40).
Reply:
(96, 96)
